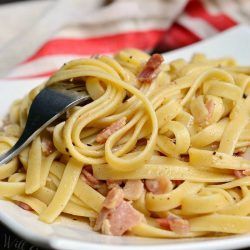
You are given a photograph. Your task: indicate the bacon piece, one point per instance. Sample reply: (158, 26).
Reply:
(149, 71)
(160, 185)
(116, 216)
(119, 220)
(133, 190)
(103, 215)
(239, 174)
(123, 218)
(163, 222)
(178, 225)
(47, 146)
(114, 198)
(107, 132)
(210, 105)
(103, 189)
(24, 205)
(246, 154)
(175, 224)
(205, 120)
(87, 175)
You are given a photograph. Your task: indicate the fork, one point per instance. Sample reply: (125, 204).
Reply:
(53, 101)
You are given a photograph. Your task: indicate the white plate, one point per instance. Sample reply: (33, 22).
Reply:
(69, 234)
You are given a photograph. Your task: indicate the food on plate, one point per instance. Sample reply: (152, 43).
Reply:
(161, 151)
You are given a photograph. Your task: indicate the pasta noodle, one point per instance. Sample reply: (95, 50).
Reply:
(171, 136)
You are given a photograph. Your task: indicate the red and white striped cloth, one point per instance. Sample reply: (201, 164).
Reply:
(148, 25)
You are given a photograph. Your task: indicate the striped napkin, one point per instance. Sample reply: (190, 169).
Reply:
(105, 27)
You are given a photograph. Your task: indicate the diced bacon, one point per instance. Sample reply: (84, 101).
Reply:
(23, 205)
(246, 154)
(239, 174)
(119, 220)
(123, 218)
(47, 146)
(160, 185)
(150, 69)
(163, 222)
(90, 178)
(107, 132)
(205, 120)
(103, 215)
(103, 189)
(178, 225)
(133, 190)
(175, 224)
(114, 198)
(116, 216)
(210, 105)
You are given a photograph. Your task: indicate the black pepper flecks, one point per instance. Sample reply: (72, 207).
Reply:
(244, 96)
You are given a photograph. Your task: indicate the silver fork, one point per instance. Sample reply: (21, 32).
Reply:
(48, 105)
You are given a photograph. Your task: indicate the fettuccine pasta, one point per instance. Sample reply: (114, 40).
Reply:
(161, 151)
